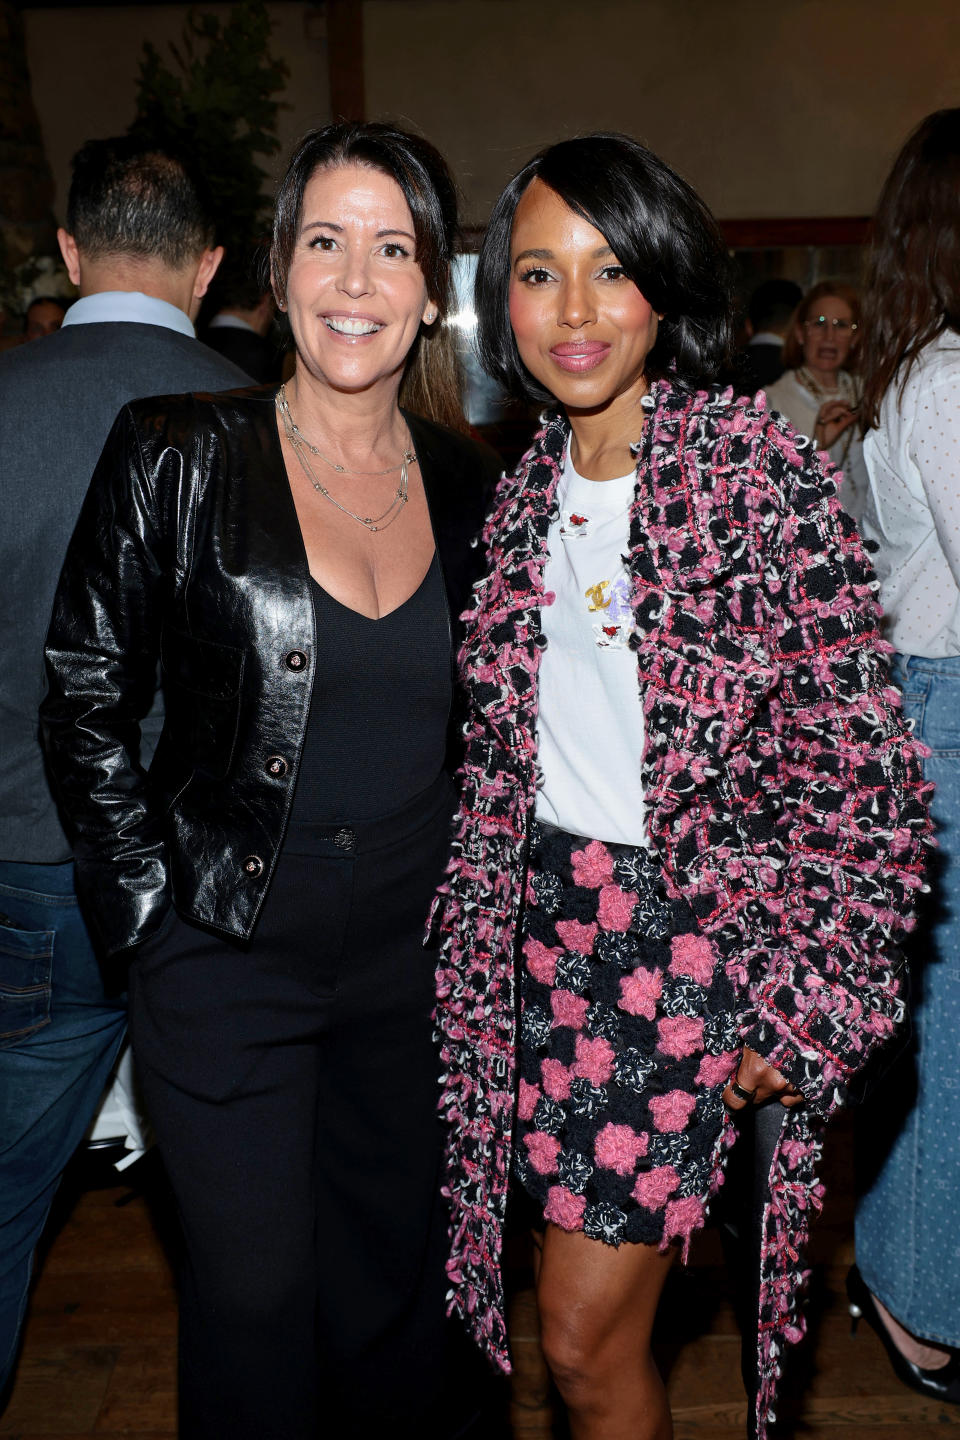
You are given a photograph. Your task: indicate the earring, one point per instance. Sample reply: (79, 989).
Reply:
(429, 316)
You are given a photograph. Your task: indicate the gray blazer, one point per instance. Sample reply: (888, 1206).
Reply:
(58, 400)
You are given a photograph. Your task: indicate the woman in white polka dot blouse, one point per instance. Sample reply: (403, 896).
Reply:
(907, 1278)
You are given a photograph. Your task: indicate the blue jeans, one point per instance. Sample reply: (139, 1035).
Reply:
(59, 1037)
(908, 1242)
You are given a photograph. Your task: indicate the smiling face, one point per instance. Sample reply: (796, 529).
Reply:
(825, 346)
(582, 327)
(354, 291)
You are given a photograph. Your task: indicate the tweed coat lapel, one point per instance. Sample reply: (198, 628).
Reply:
(692, 581)
(676, 551)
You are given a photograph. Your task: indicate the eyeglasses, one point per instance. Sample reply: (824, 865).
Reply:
(821, 323)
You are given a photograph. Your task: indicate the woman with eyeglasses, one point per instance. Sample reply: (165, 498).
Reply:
(907, 1279)
(817, 392)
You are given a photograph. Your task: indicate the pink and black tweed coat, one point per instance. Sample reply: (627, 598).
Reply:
(784, 794)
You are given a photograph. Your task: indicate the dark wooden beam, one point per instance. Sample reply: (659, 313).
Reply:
(769, 234)
(345, 59)
(774, 233)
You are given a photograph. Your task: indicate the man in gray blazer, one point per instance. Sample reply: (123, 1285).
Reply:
(139, 245)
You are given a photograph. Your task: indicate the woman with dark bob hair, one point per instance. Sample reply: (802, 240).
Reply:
(294, 561)
(690, 804)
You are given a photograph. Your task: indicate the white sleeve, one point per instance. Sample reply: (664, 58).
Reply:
(935, 446)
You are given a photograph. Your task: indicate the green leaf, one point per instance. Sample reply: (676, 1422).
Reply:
(217, 94)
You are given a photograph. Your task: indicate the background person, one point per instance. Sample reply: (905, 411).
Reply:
(44, 316)
(769, 318)
(818, 392)
(139, 244)
(242, 327)
(908, 1282)
(297, 563)
(694, 859)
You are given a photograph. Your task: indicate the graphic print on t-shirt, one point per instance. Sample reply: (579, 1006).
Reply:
(574, 526)
(590, 724)
(609, 601)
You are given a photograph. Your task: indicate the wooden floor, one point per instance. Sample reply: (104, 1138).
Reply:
(99, 1351)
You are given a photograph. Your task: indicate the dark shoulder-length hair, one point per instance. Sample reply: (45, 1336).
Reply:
(912, 291)
(661, 233)
(432, 382)
(793, 345)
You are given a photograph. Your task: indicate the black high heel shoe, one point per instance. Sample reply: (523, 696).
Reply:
(942, 1384)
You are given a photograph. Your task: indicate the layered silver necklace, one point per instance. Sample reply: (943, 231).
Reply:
(301, 446)
(846, 391)
(846, 388)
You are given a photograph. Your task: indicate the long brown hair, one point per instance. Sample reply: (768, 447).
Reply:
(792, 347)
(912, 289)
(432, 383)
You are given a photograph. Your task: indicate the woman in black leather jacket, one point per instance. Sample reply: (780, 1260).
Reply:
(295, 562)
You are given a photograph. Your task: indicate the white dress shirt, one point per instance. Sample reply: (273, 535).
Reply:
(130, 305)
(231, 322)
(913, 504)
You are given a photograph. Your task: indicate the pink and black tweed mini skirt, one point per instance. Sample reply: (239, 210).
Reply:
(627, 1040)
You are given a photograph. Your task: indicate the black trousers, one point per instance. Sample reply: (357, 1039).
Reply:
(293, 1088)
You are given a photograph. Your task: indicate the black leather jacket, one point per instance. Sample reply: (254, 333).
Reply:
(188, 551)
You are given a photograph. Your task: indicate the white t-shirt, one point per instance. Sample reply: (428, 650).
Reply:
(590, 728)
(913, 506)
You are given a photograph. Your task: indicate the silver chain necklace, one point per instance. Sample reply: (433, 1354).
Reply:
(845, 390)
(301, 445)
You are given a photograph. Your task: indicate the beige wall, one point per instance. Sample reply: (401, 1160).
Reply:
(770, 107)
(84, 62)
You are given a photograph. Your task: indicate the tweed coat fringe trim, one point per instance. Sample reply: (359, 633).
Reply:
(784, 793)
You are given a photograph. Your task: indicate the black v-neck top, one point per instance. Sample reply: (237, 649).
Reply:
(377, 731)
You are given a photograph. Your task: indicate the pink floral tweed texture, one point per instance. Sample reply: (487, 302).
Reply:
(785, 798)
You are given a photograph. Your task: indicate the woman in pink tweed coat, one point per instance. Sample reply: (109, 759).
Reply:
(692, 819)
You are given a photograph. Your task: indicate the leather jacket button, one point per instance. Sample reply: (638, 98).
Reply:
(253, 866)
(296, 660)
(276, 766)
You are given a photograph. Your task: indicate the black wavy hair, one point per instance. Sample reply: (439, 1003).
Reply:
(661, 233)
(432, 382)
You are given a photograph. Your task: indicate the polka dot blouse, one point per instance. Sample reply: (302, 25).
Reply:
(913, 505)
